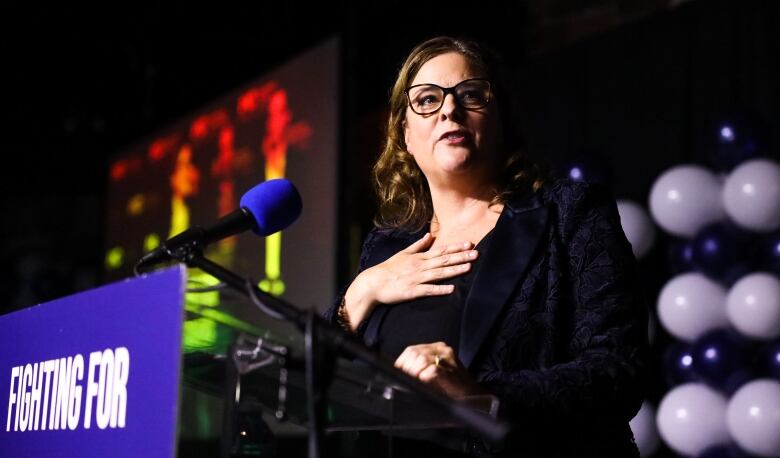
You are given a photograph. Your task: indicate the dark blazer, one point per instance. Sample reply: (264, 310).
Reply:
(554, 324)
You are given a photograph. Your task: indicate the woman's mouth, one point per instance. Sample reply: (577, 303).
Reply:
(454, 137)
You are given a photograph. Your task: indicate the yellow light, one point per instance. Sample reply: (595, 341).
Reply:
(136, 205)
(115, 257)
(273, 255)
(180, 216)
(274, 287)
(151, 242)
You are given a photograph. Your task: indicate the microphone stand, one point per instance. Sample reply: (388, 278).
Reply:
(323, 341)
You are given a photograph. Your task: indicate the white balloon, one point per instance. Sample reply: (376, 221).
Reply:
(644, 429)
(637, 225)
(692, 417)
(753, 417)
(686, 198)
(753, 306)
(751, 195)
(691, 304)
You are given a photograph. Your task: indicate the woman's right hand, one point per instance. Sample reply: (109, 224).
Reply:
(407, 275)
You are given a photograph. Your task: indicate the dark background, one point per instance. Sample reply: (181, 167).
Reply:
(641, 83)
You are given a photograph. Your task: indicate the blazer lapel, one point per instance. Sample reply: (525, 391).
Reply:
(514, 240)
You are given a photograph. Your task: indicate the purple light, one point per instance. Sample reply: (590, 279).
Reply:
(575, 173)
(727, 133)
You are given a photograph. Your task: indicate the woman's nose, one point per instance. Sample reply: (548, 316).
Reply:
(450, 108)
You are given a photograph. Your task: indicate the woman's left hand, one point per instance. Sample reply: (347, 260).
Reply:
(436, 363)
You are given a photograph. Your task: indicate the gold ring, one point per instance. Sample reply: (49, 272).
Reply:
(437, 361)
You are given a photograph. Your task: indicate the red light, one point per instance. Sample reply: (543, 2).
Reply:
(160, 148)
(118, 170)
(209, 123)
(199, 128)
(299, 134)
(254, 99)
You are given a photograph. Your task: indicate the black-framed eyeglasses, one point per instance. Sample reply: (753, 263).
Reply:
(470, 94)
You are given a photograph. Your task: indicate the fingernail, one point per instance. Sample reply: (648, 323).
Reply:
(473, 254)
(465, 267)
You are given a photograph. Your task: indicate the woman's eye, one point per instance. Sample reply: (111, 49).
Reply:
(472, 95)
(429, 99)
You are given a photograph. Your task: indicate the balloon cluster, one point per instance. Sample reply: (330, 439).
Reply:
(723, 305)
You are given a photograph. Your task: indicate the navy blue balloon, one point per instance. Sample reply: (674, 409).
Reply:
(723, 252)
(678, 364)
(768, 252)
(590, 167)
(681, 256)
(739, 135)
(723, 451)
(770, 359)
(722, 359)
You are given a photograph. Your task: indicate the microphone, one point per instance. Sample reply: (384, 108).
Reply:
(266, 208)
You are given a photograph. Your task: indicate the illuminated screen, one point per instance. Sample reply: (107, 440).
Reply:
(281, 125)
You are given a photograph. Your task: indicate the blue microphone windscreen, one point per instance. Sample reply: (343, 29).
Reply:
(275, 204)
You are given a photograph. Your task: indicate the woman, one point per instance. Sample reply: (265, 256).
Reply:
(482, 278)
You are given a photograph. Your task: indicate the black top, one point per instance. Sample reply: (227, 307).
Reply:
(428, 319)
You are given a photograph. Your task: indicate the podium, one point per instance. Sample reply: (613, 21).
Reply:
(100, 373)
(95, 374)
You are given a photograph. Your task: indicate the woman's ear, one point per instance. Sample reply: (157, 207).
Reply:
(406, 138)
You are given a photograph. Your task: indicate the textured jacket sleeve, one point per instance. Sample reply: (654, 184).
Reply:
(330, 313)
(606, 342)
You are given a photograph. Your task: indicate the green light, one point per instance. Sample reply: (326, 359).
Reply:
(211, 329)
(197, 279)
(230, 321)
(115, 257)
(151, 242)
(199, 334)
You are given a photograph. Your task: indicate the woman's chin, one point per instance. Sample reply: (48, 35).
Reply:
(454, 170)
(455, 162)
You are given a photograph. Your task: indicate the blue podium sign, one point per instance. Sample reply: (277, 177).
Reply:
(95, 374)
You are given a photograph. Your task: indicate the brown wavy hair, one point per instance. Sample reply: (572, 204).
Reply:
(404, 196)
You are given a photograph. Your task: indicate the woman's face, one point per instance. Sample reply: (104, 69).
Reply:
(453, 145)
